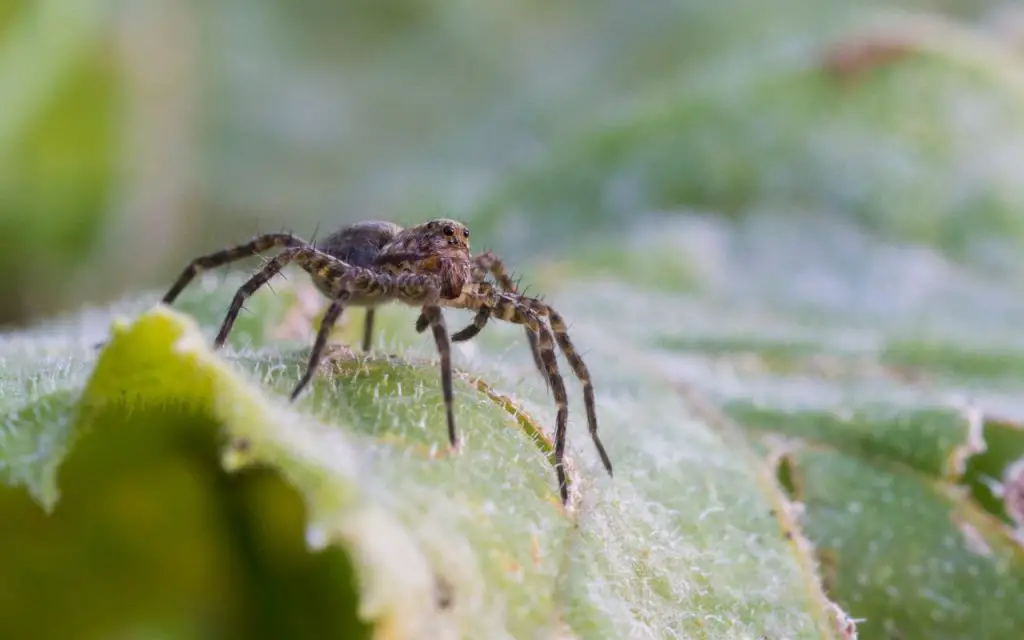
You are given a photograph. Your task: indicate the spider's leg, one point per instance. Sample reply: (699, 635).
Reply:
(422, 323)
(531, 337)
(489, 263)
(211, 261)
(423, 290)
(444, 349)
(272, 268)
(414, 288)
(511, 309)
(316, 263)
(547, 357)
(479, 322)
(579, 368)
(368, 329)
(467, 333)
(330, 318)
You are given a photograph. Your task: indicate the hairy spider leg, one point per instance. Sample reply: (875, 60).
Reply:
(368, 329)
(561, 332)
(480, 321)
(507, 307)
(510, 308)
(444, 350)
(347, 281)
(489, 262)
(258, 245)
(326, 324)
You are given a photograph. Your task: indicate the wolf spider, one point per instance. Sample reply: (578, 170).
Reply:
(369, 264)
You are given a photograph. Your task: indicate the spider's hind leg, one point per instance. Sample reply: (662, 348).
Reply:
(225, 256)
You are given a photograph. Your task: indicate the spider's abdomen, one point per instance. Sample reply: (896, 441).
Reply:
(361, 243)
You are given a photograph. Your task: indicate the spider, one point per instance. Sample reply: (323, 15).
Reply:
(372, 263)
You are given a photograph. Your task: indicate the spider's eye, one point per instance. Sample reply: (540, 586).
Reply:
(465, 232)
(449, 230)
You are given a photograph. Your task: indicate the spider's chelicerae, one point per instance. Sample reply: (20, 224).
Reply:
(372, 263)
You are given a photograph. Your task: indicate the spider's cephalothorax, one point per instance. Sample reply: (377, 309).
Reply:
(429, 266)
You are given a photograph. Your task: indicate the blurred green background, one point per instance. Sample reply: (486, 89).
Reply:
(135, 134)
(809, 212)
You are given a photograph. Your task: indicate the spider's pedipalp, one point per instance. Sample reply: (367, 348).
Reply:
(216, 259)
(484, 264)
(479, 322)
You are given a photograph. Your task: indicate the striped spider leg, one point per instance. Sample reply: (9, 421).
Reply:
(517, 309)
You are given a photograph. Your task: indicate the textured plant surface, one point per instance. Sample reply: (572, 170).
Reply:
(432, 545)
(795, 278)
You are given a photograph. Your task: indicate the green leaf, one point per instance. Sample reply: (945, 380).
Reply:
(895, 542)
(213, 487)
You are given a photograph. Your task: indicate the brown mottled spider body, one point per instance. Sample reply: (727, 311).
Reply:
(372, 263)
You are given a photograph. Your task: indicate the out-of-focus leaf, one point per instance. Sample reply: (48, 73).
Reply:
(910, 125)
(58, 147)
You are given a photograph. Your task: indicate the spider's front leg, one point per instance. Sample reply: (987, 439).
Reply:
(507, 307)
(529, 311)
(561, 331)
